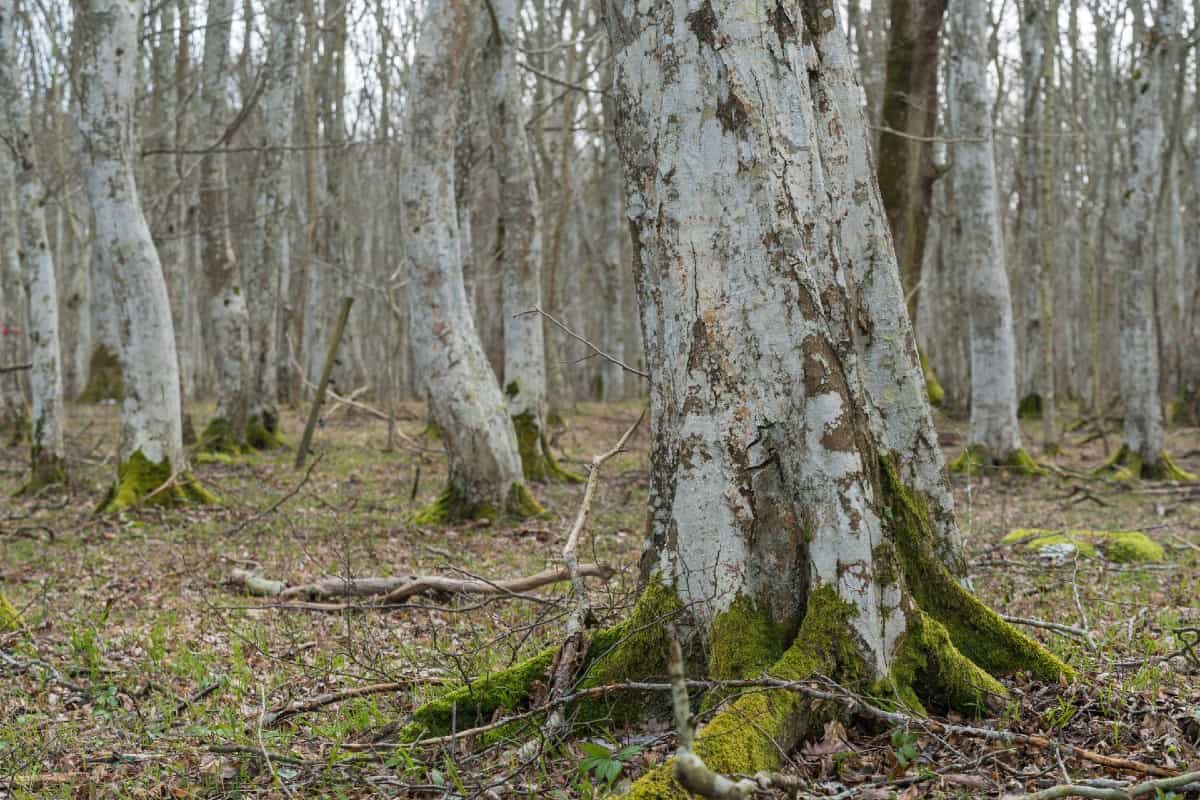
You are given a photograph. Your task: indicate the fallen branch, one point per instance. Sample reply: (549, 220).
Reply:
(1057, 627)
(397, 589)
(295, 707)
(1155, 787)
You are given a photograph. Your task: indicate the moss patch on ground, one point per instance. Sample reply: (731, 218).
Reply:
(1124, 547)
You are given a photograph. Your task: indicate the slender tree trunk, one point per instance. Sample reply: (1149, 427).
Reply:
(465, 400)
(1028, 233)
(994, 436)
(612, 227)
(48, 464)
(226, 431)
(151, 438)
(273, 242)
(13, 422)
(1142, 454)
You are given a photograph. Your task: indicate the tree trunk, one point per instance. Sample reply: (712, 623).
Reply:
(48, 464)
(151, 440)
(226, 431)
(465, 400)
(12, 322)
(1029, 254)
(795, 472)
(994, 437)
(272, 242)
(1142, 453)
(612, 225)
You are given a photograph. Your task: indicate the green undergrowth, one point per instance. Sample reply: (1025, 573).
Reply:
(140, 481)
(1126, 465)
(1123, 547)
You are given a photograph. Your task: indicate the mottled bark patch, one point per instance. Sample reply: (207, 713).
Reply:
(703, 23)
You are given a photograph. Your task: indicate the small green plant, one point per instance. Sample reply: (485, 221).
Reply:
(1061, 715)
(605, 765)
(904, 747)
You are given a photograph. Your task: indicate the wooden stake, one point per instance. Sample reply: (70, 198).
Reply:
(326, 372)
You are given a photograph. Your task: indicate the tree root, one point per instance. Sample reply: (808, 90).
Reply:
(1126, 465)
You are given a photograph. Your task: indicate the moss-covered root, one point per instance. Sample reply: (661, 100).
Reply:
(141, 481)
(46, 472)
(633, 649)
(262, 431)
(754, 730)
(454, 505)
(537, 462)
(10, 618)
(975, 458)
(976, 630)
(222, 441)
(1122, 547)
(1126, 465)
(933, 387)
(105, 379)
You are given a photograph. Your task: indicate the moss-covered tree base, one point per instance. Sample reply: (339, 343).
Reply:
(105, 379)
(221, 442)
(537, 462)
(1030, 407)
(1126, 465)
(976, 458)
(452, 505)
(262, 432)
(46, 472)
(141, 481)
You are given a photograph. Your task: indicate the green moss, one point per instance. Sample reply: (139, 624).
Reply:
(537, 462)
(219, 437)
(633, 649)
(744, 641)
(755, 731)
(933, 387)
(976, 630)
(262, 431)
(928, 666)
(138, 477)
(105, 379)
(1126, 465)
(1020, 462)
(10, 618)
(970, 461)
(1119, 546)
(1030, 407)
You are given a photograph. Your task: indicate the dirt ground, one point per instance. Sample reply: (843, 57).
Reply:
(141, 671)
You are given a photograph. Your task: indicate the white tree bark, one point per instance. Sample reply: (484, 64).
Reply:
(150, 415)
(226, 300)
(613, 226)
(12, 318)
(1029, 266)
(41, 294)
(994, 426)
(519, 243)
(1143, 428)
(273, 203)
(465, 399)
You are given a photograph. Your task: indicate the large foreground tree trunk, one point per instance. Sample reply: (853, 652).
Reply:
(226, 431)
(151, 440)
(795, 471)
(47, 459)
(994, 437)
(465, 400)
(1142, 454)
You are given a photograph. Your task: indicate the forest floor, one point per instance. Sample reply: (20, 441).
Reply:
(141, 671)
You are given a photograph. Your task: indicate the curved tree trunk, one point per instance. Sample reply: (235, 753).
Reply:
(465, 400)
(272, 241)
(48, 462)
(151, 442)
(226, 431)
(994, 437)
(1142, 454)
